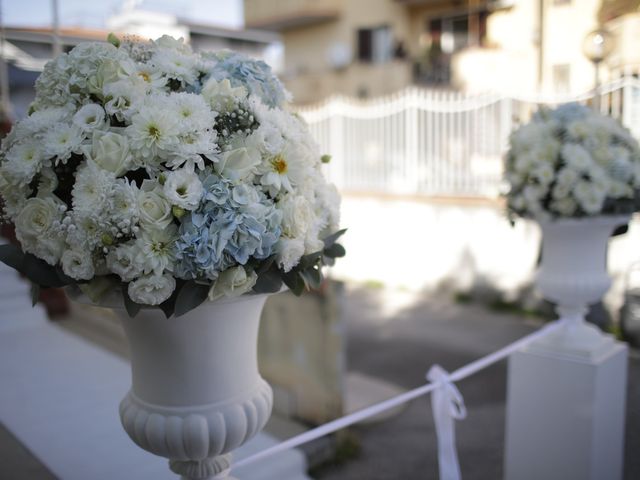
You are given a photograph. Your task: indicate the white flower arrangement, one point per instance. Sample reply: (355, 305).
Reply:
(572, 162)
(169, 175)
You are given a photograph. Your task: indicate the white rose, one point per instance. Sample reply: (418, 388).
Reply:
(108, 72)
(77, 264)
(152, 289)
(184, 189)
(155, 211)
(297, 216)
(122, 261)
(289, 252)
(239, 163)
(90, 117)
(233, 282)
(37, 216)
(221, 95)
(110, 151)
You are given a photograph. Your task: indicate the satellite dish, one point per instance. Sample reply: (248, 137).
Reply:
(339, 55)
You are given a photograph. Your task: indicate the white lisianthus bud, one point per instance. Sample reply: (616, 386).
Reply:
(110, 151)
(122, 261)
(233, 282)
(90, 117)
(152, 289)
(183, 188)
(155, 211)
(77, 264)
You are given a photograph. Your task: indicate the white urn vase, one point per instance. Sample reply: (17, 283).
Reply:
(196, 392)
(573, 275)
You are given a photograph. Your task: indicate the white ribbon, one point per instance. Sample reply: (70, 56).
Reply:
(447, 405)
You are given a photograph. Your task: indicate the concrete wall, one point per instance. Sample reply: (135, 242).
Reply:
(424, 245)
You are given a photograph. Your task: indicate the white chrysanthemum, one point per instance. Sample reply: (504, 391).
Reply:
(289, 252)
(123, 261)
(151, 289)
(577, 157)
(37, 123)
(192, 111)
(123, 98)
(156, 249)
(92, 188)
(77, 264)
(153, 131)
(90, 117)
(22, 162)
(175, 65)
(184, 189)
(124, 209)
(153, 79)
(87, 230)
(297, 216)
(47, 182)
(268, 138)
(589, 197)
(61, 140)
(285, 170)
(565, 206)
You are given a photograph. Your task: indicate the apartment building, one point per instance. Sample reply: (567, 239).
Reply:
(368, 48)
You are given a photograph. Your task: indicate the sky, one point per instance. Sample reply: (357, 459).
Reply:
(93, 13)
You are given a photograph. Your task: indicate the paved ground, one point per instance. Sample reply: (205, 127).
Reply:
(399, 344)
(396, 336)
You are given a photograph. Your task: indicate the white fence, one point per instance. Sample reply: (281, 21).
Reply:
(436, 143)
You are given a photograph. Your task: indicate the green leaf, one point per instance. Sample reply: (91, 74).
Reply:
(35, 294)
(309, 260)
(12, 256)
(331, 239)
(190, 296)
(265, 265)
(312, 277)
(113, 39)
(132, 307)
(335, 251)
(40, 272)
(269, 281)
(294, 281)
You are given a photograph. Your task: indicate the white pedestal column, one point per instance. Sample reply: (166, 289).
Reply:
(565, 413)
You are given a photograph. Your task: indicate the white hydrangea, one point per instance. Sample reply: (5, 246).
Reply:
(124, 262)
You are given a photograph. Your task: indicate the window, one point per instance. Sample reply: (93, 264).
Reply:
(561, 78)
(375, 45)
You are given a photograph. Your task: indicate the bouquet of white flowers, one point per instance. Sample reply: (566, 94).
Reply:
(168, 175)
(572, 162)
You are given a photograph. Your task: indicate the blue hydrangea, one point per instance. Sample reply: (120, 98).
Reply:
(253, 74)
(565, 113)
(233, 224)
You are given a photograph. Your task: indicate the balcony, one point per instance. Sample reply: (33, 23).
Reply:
(287, 14)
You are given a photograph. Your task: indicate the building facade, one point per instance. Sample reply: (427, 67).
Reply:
(368, 48)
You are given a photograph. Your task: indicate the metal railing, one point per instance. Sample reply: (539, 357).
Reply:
(435, 143)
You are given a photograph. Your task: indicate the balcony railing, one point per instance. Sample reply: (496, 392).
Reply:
(286, 14)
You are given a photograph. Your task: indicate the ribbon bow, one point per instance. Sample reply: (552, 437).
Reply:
(447, 405)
